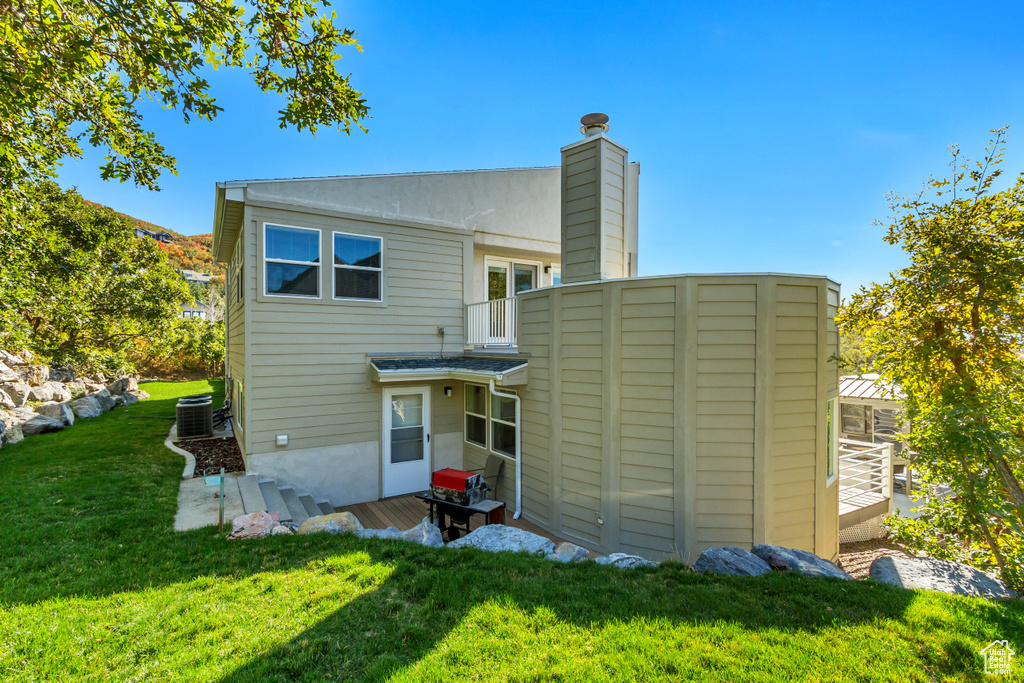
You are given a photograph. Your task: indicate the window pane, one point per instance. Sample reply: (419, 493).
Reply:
(293, 244)
(350, 250)
(503, 438)
(556, 277)
(287, 278)
(476, 430)
(503, 408)
(407, 444)
(475, 400)
(356, 284)
(854, 419)
(524, 277)
(407, 410)
(497, 282)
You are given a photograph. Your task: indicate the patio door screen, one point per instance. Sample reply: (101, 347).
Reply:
(406, 440)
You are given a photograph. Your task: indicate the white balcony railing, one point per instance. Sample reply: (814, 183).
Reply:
(865, 473)
(492, 323)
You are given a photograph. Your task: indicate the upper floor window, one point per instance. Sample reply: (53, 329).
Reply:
(292, 259)
(358, 266)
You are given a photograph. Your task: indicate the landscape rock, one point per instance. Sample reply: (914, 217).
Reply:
(40, 393)
(7, 374)
(58, 411)
(425, 533)
(11, 359)
(390, 533)
(61, 374)
(12, 434)
(93, 387)
(17, 391)
(498, 538)
(731, 560)
(281, 530)
(799, 561)
(624, 561)
(34, 374)
(127, 399)
(27, 355)
(6, 402)
(569, 552)
(60, 392)
(337, 523)
(40, 424)
(140, 394)
(257, 524)
(104, 398)
(946, 576)
(87, 406)
(119, 386)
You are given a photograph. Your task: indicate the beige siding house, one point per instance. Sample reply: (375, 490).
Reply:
(382, 327)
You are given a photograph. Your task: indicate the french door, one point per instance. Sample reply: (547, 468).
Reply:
(505, 278)
(406, 440)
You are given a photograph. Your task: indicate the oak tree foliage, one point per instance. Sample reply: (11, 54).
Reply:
(949, 330)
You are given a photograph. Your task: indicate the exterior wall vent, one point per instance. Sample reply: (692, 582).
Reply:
(194, 416)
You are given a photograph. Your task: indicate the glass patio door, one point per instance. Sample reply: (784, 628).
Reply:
(504, 280)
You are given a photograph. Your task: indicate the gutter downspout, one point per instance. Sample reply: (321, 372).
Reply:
(519, 448)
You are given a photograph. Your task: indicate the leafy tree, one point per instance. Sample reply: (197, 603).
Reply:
(853, 357)
(948, 329)
(75, 70)
(78, 288)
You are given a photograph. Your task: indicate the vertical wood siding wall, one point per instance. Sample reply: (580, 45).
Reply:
(674, 414)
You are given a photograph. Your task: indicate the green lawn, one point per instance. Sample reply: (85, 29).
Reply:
(94, 585)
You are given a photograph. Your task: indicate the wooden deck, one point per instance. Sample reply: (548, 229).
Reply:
(405, 512)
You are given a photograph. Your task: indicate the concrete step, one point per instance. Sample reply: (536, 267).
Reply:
(291, 499)
(275, 503)
(252, 496)
(309, 505)
(325, 507)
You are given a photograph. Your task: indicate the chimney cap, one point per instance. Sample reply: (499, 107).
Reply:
(594, 123)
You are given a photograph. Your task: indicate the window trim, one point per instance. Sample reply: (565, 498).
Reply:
(510, 262)
(465, 412)
(492, 420)
(489, 420)
(833, 409)
(319, 266)
(335, 267)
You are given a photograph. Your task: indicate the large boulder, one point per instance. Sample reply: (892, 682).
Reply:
(731, 560)
(85, 407)
(139, 394)
(498, 538)
(104, 398)
(6, 402)
(569, 552)
(17, 391)
(259, 524)
(119, 386)
(946, 576)
(34, 374)
(41, 424)
(12, 427)
(624, 561)
(337, 523)
(126, 399)
(799, 561)
(61, 374)
(58, 411)
(7, 374)
(60, 392)
(41, 393)
(11, 359)
(425, 533)
(93, 387)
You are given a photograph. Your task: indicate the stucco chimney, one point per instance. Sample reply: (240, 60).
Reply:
(599, 206)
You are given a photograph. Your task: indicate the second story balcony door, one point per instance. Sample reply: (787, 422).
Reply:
(506, 278)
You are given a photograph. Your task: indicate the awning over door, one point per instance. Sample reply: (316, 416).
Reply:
(504, 371)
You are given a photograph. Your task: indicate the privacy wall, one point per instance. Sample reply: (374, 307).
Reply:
(671, 414)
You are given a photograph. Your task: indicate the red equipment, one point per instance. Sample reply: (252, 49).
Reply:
(457, 486)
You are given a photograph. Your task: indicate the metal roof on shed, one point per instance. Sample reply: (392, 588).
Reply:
(868, 387)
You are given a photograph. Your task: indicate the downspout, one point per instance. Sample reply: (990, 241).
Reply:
(519, 448)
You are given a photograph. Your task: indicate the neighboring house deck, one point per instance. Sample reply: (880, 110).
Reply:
(382, 327)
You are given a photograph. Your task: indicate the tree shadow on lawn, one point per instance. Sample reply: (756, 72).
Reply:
(88, 513)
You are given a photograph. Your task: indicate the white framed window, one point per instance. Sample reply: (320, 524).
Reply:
(358, 266)
(291, 261)
(490, 424)
(831, 441)
(855, 419)
(476, 415)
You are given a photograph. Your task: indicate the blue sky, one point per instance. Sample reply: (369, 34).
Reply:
(768, 133)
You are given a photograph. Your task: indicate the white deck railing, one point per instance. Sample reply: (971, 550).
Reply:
(865, 473)
(491, 323)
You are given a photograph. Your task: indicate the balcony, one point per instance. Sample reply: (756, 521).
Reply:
(492, 323)
(865, 481)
